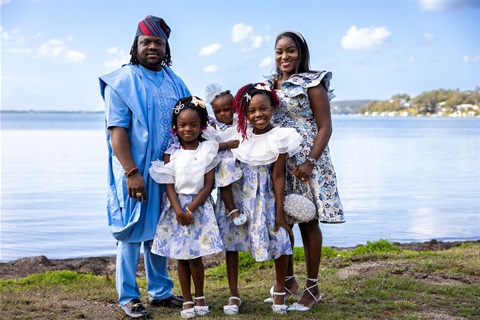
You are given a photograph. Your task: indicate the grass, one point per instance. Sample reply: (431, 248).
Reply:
(376, 281)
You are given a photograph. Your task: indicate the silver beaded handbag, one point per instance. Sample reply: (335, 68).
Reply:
(298, 206)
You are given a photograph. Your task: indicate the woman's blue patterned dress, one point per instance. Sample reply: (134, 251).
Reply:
(295, 112)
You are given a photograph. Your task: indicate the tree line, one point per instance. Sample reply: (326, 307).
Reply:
(431, 103)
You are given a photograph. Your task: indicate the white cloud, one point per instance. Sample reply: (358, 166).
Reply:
(209, 50)
(429, 37)
(19, 51)
(52, 49)
(210, 69)
(439, 5)
(244, 35)
(256, 42)
(412, 58)
(57, 49)
(266, 62)
(2, 2)
(75, 56)
(241, 32)
(364, 38)
(118, 57)
(474, 59)
(11, 38)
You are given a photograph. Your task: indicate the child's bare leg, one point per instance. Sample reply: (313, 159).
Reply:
(198, 275)
(281, 265)
(235, 214)
(232, 275)
(227, 198)
(184, 276)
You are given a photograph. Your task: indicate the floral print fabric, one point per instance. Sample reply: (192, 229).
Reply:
(199, 239)
(295, 112)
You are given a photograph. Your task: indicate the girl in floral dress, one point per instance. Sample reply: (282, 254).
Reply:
(228, 176)
(262, 154)
(187, 229)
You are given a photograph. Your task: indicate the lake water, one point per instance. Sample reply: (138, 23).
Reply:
(401, 179)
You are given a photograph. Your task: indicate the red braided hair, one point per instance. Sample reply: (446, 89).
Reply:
(242, 99)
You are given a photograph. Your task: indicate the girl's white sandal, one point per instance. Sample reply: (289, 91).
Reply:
(188, 313)
(201, 310)
(231, 309)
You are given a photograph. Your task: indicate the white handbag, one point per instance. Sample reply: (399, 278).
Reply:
(298, 206)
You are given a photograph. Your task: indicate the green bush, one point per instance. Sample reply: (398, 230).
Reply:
(379, 246)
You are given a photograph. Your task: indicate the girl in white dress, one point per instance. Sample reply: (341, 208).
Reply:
(231, 220)
(228, 170)
(187, 229)
(262, 155)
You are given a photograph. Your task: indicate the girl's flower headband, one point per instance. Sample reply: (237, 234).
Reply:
(258, 86)
(195, 101)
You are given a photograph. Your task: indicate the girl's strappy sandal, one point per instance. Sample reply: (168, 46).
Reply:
(278, 308)
(201, 310)
(240, 220)
(188, 313)
(231, 309)
(299, 306)
(288, 292)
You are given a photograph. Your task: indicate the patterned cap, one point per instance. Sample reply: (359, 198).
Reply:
(153, 26)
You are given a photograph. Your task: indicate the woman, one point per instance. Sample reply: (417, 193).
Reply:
(305, 105)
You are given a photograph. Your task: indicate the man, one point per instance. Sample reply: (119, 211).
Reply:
(139, 98)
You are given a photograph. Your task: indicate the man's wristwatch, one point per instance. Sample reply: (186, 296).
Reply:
(312, 161)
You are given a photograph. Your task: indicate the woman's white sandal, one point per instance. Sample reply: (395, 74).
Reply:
(188, 313)
(201, 310)
(240, 220)
(231, 309)
(278, 308)
(299, 306)
(288, 292)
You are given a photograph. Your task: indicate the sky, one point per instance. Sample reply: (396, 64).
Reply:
(52, 52)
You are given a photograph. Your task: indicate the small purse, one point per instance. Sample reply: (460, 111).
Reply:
(298, 206)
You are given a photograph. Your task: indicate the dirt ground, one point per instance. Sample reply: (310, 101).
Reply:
(106, 265)
(81, 308)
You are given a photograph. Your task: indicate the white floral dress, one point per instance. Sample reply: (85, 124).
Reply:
(295, 112)
(186, 171)
(229, 172)
(257, 155)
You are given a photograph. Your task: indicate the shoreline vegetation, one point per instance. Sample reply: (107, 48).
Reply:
(378, 280)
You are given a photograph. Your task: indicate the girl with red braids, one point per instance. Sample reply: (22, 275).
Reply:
(262, 155)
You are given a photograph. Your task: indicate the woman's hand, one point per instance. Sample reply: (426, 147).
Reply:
(303, 171)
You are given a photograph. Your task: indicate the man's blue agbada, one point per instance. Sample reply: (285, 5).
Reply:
(129, 219)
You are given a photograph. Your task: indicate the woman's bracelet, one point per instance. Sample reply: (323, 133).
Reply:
(233, 211)
(188, 210)
(131, 172)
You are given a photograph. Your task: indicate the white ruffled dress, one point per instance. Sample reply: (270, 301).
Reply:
(186, 171)
(257, 155)
(229, 172)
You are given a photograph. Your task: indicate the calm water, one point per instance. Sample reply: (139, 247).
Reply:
(402, 179)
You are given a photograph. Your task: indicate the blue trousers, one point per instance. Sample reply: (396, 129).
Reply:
(159, 285)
